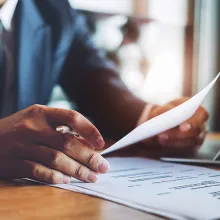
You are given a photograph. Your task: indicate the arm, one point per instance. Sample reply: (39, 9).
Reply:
(93, 83)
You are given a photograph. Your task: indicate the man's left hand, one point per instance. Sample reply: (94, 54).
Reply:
(188, 135)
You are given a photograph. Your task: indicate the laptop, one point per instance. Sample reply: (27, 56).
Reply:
(209, 154)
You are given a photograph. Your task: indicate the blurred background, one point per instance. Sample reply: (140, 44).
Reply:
(164, 49)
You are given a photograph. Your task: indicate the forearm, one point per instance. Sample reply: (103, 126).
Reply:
(104, 98)
(92, 81)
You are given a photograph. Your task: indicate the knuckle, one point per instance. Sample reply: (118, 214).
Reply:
(23, 125)
(81, 172)
(35, 171)
(93, 132)
(93, 160)
(54, 177)
(203, 113)
(74, 117)
(57, 111)
(69, 144)
(35, 110)
(56, 158)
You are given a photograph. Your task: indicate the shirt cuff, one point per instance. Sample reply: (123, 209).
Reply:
(145, 116)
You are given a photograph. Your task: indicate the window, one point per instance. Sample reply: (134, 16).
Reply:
(162, 42)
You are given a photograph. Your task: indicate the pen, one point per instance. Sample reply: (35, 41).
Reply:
(66, 130)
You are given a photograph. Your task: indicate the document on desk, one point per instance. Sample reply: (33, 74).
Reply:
(172, 190)
(163, 122)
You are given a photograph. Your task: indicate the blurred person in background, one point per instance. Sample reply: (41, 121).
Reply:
(45, 42)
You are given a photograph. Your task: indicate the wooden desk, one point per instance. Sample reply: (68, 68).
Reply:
(27, 202)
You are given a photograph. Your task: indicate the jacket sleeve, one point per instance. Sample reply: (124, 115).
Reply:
(93, 82)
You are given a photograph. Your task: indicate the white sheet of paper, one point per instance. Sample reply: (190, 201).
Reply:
(172, 190)
(163, 122)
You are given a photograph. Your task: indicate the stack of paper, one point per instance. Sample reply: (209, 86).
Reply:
(171, 190)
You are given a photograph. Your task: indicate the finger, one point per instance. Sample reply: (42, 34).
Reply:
(196, 121)
(37, 131)
(188, 129)
(54, 139)
(181, 144)
(160, 110)
(201, 137)
(151, 142)
(17, 168)
(76, 136)
(44, 135)
(78, 123)
(192, 142)
(77, 149)
(84, 142)
(179, 101)
(58, 161)
(176, 135)
(197, 140)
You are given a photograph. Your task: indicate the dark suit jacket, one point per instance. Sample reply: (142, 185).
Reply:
(54, 46)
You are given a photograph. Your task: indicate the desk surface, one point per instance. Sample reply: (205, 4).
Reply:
(20, 201)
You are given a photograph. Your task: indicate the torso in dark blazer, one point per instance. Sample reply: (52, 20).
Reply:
(44, 34)
(54, 46)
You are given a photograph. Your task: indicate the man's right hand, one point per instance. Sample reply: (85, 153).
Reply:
(30, 146)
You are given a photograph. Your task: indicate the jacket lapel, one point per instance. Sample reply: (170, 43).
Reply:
(39, 63)
(33, 55)
(61, 21)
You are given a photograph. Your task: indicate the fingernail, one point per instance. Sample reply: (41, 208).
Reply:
(66, 179)
(103, 166)
(100, 142)
(92, 177)
(185, 127)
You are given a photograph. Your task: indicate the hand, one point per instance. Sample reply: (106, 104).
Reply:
(189, 135)
(30, 147)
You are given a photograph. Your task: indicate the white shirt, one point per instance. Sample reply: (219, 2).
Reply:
(6, 13)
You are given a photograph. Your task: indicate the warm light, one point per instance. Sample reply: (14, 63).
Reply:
(164, 79)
